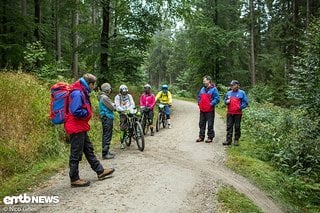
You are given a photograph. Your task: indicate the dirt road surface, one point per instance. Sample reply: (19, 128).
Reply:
(173, 174)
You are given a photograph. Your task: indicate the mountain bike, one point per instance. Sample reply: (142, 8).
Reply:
(134, 131)
(161, 118)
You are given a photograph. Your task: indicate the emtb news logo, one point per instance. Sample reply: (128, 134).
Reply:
(26, 199)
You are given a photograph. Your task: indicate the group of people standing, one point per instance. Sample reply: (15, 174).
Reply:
(235, 100)
(124, 102)
(80, 112)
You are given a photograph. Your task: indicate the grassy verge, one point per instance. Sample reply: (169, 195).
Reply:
(30, 146)
(233, 201)
(40, 172)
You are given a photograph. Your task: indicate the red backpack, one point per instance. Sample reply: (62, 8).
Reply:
(59, 102)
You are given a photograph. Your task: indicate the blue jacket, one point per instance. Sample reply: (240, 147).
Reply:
(238, 101)
(208, 98)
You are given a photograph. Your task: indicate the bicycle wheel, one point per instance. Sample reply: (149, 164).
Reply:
(139, 136)
(144, 124)
(158, 122)
(126, 138)
(164, 121)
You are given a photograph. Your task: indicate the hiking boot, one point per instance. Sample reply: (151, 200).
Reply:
(108, 156)
(236, 143)
(209, 140)
(80, 183)
(199, 140)
(226, 143)
(152, 133)
(105, 173)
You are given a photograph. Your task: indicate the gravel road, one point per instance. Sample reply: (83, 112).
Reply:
(173, 174)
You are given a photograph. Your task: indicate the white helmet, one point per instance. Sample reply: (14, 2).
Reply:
(123, 89)
(147, 86)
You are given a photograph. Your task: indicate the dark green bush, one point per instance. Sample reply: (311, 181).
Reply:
(286, 138)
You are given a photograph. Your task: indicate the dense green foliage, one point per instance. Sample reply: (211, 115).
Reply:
(286, 138)
(292, 192)
(27, 136)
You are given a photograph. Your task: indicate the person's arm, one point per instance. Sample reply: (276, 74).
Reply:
(216, 98)
(244, 101)
(153, 101)
(158, 96)
(199, 93)
(118, 104)
(227, 98)
(132, 104)
(170, 98)
(107, 102)
(142, 101)
(76, 105)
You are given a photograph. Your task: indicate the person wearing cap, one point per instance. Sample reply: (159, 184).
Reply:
(124, 102)
(106, 108)
(208, 98)
(147, 103)
(164, 97)
(77, 126)
(236, 100)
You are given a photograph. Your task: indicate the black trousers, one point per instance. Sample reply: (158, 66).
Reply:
(80, 143)
(107, 128)
(206, 118)
(233, 122)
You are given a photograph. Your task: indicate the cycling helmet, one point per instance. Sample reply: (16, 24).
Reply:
(123, 89)
(164, 87)
(147, 86)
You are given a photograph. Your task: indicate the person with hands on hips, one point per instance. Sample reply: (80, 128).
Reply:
(208, 98)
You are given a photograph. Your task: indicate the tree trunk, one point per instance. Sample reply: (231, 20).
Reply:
(24, 8)
(308, 13)
(75, 41)
(94, 12)
(216, 60)
(37, 19)
(253, 60)
(58, 31)
(104, 56)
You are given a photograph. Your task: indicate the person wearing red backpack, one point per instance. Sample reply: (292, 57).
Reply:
(77, 126)
(236, 100)
(208, 98)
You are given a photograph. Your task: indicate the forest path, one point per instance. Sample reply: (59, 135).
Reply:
(172, 174)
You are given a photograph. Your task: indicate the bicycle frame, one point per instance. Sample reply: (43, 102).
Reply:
(161, 118)
(134, 131)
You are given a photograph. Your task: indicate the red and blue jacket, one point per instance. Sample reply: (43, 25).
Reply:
(238, 101)
(208, 98)
(79, 110)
